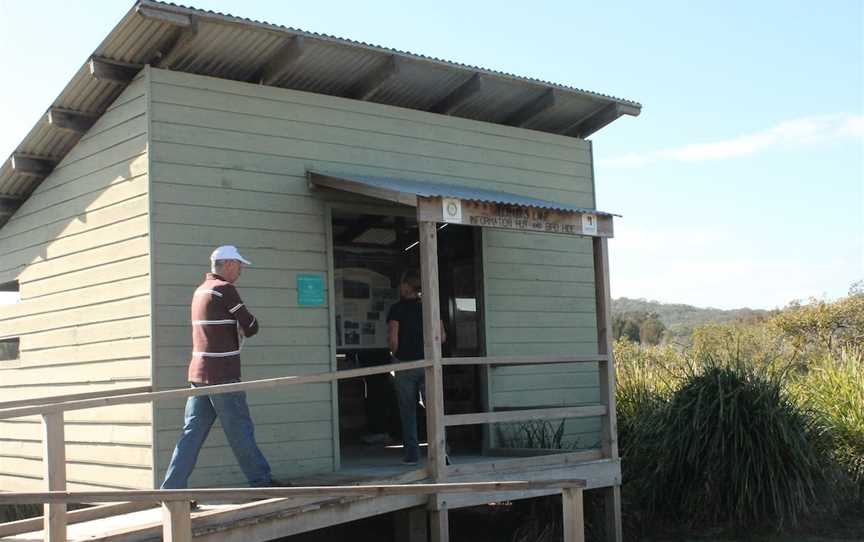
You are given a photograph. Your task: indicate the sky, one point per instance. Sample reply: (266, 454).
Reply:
(740, 184)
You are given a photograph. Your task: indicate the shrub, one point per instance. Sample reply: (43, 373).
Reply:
(730, 447)
(833, 391)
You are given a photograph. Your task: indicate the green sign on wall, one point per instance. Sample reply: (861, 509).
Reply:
(310, 290)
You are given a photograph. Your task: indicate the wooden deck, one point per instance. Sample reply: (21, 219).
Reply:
(274, 518)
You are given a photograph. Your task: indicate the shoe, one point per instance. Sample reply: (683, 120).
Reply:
(447, 460)
(409, 461)
(275, 482)
(193, 506)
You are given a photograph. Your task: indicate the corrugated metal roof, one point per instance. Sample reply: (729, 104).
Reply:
(215, 44)
(433, 189)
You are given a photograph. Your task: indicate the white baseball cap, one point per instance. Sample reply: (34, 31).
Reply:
(228, 252)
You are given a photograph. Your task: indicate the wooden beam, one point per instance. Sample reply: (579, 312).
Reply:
(600, 118)
(520, 360)
(73, 121)
(609, 425)
(375, 490)
(268, 383)
(154, 13)
(372, 81)
(71, 397)
(516, 467)
(75, 516)
(409, 525)
(439, 523)
(524, 415)
(434, 400)
(603, 307)
(54, 475)
(574, 515)
(31, 165)
(113, 71)
(281, 62)
(530, 110)
(178, 43)
(466, 90)
(345, 185)
(176, 522)
(8, 204)
(517, 217)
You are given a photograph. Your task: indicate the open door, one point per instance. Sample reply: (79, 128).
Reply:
(371, 253)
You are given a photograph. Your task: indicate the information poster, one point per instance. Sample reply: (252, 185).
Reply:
(363, 298)
(310, 290)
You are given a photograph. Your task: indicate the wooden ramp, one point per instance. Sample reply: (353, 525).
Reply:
(250, 521)
(268, 519)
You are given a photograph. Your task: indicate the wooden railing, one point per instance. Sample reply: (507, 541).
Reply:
(52, 412)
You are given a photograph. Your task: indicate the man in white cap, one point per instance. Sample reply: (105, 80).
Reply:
(220, 321)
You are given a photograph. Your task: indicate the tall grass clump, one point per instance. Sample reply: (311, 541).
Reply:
(731, 448)
(645, 377)
(833, 391)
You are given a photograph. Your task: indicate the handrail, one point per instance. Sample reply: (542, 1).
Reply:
(523, 360)
(177, 519)
(181, 393)
(51, 399)
(378, 490)
(143, 394)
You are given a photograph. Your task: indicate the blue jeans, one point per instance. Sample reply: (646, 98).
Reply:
(233, 412)
(409, 386)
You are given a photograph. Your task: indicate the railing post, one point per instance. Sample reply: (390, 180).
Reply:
(434, 399)
(609, 436)
(439, 518)
(176, 521)
(54, 474)
(439, 523)
(574, 516)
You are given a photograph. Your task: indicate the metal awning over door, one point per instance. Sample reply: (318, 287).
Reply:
(451, 203)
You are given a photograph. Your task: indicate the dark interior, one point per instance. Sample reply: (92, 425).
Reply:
(371, 253)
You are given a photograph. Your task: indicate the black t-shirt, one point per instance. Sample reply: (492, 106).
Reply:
(409, 314)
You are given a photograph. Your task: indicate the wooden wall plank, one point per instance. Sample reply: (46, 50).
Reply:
(229, 164)
(78, 247)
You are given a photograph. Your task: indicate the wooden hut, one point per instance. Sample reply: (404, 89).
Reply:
(334, 166)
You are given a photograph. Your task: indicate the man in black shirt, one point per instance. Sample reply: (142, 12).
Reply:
(405, 339)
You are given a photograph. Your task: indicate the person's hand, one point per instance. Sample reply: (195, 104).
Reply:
(240, 331)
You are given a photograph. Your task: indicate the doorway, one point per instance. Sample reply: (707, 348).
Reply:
(371, 253)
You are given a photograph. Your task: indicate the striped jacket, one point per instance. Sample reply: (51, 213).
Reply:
(218, 315)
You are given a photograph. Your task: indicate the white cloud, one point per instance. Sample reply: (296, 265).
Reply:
(790, 133)
(729, 282)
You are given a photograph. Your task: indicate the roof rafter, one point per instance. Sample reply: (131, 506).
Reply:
(112, 70)
(285, 58)
(68, 119)
(372, 81)
(164, 16)
(9, 204)
(466, 90)
(600, 118)
(179, 42)
(524, 114)
(31, 165)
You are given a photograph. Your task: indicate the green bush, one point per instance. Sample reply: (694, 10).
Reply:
(833, 391)
(730, 447)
